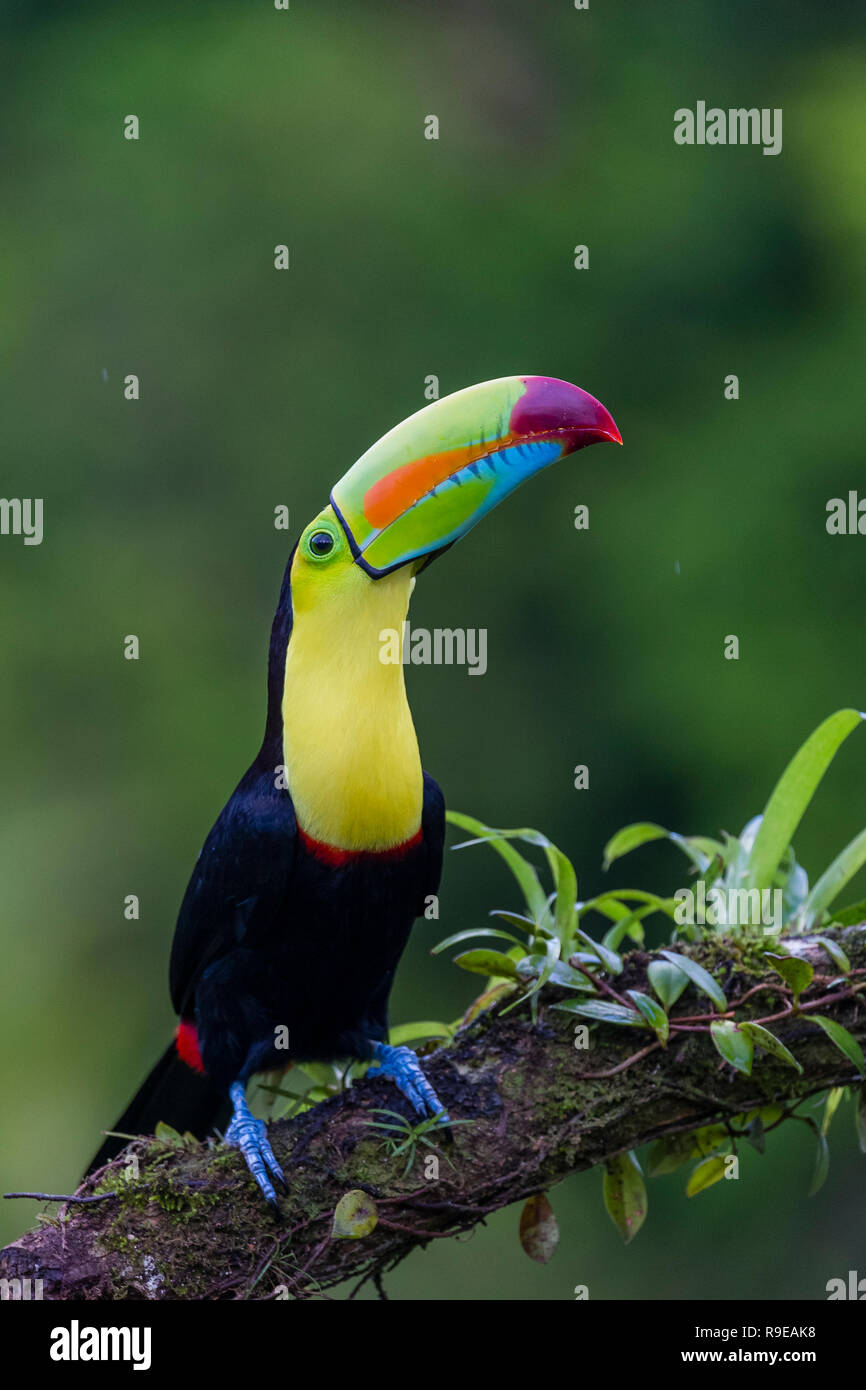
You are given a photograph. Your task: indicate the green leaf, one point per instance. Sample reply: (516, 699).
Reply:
(317, 1093)
(710, 1171)
(700, 850)
(167, 1135)
(762, 1037)
(565, 974)
(831, 1105)
(792, 794)
(846, 864)
(771, 1113)
(565, 882)
(543, 967)
(534, 971)
(709, 1138)
(411, 1032)
(323, 1073)
(617, 901)
(860, 1118)
(795, 972)
(631, 837)
(795, 890)
(488, 963)
(539, 1232)
(653, 1013)
(736, 1047)
(667, 980)
(699, 977)
(836, 954)
(630, 924)
(525, 873)
(471, 934)
(395, 1121)
(608, 905)
(584, 958)
(562, 973)
(625, 1194)
(822, 1162)
(851, 916)
(562, 870)
(517, 919)
(843, 1040)
(609, 959)
(602, 1011)
(355, 1216)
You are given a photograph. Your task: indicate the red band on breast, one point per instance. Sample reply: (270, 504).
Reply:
(330, 854)
(187, 1045)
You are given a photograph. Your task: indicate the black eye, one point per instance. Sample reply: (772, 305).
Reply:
(321, 543)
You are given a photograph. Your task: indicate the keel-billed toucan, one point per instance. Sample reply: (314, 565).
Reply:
(304, 894)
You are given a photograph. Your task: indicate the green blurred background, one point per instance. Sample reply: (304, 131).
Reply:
(411, 257)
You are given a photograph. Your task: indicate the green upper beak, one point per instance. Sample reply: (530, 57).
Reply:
(428, 481)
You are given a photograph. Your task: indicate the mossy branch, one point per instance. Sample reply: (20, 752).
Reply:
(192, 1225)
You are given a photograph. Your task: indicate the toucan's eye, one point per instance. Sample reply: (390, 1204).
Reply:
(320, 544)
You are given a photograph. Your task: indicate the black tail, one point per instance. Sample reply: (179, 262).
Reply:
(175, 1094)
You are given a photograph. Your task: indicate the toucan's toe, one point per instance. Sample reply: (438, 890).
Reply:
(402, 1066)
(251, 1137)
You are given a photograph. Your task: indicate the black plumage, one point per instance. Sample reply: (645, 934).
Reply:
(275, 934)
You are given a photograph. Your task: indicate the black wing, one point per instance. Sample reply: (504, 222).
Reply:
(433, 830)
(240, 884)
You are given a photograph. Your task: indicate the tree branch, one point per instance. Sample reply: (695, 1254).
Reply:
(192, 1225)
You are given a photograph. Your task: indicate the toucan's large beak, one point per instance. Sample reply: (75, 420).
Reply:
(430, 479)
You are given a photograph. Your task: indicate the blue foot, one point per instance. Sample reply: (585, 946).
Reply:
(403, 1067)
(250, 1136)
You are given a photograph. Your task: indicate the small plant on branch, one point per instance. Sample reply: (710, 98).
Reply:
(750, 890)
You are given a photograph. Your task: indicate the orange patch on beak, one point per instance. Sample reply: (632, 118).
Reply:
(394, 494)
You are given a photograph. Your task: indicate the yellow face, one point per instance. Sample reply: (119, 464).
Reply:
(326, 578)
(323, 568)
(350, 749)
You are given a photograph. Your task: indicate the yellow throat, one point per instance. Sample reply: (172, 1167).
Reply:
(349, 744)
